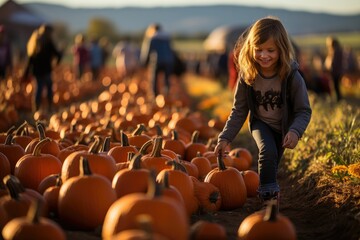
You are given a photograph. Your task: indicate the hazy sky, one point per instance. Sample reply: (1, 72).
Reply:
(328, 6)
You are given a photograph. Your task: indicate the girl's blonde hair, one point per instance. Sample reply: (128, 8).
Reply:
(262, 30)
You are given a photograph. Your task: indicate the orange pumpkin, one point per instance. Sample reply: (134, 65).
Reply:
(230, 183)
(33, 225)
(208, 195)
(85, 199)
(120, 153)
(203, 165)
(252, 181)
(205, 230)
(193, 147)
(100, 163)
(175, 144)
(123, 213)
(137, 137)
(134, 174)
(268, 222)
(4, 166)
(243, 153)
(155, 160)
(31, 169)
(12, 151)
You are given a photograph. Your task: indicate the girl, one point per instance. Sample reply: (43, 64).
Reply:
(271, 89)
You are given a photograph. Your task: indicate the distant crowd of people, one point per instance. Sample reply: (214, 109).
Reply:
(323, 73)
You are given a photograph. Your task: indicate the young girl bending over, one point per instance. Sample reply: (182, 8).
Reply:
(270, 89)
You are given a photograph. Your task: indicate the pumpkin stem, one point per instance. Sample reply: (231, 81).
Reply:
(154, 188)
(10, 130)
(106, 145)
(84, 167)
(39, 146)
(135, 162)
(145, 221)
(174, 135)
(166, 182)
(271, 212)
(145, 146)
(124, 139)
(177, 166)
(140, 128)
(195, 136)
(20, 129)
(220, 161)
(58, 182)
(11, 186)
(156, 151)
(34, 212)
(94, 148)
(8, 139)
(41, 129)
(159, 131)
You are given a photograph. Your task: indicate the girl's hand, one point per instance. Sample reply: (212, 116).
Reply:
(220, 147)
(290, 140)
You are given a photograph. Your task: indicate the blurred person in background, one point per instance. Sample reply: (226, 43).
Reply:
(81, 56)
(126, 58)
(42, 53)
(96, 59)
(334, 63)
(158, 55)
(5, 55)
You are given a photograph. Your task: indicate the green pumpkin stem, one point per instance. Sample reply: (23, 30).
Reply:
(34, 212)
(271, 212)
(11, 186)
(145, 146)
(39, 146)
(135, 162)
(41, 129)
(154, 188)
(156, 151)
(220, 161)
(139, 130)
(124, 139)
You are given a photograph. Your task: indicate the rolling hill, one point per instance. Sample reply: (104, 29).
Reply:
(195, 19)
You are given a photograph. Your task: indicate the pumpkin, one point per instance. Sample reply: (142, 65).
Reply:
(120, 153)
(15, 204)
(193, 147)
(33, 225)
(4, 166)
(268, 222)
(85, 199)
(51, 146)
(137, 137)
(22, 136)
(175, 144)
(230, 183)
(144, 231)
(205, 230)
(51, 197)
(243, 153)
(203, 165)
(208, 195)
(47, 182)
(100, 163)
(155, 160)
(31, 169)
(12, 151)
(178, 177)
(252, 181)
(134, 174)
(123, 213)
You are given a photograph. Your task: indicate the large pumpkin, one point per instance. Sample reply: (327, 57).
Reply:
(265, 224)
(230, 183)
(169, 219)
(85, 199)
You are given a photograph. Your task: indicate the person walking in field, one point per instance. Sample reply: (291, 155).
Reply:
(157, 53)
(42, 52)
(334, 63)
(270, 89)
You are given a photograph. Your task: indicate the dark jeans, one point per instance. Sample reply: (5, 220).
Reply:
(156, 70)
(269, 143)
(43, 81)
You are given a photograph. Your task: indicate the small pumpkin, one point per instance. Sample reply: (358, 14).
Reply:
(205, 230)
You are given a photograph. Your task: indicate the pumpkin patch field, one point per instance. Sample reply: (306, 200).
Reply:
(113, 162)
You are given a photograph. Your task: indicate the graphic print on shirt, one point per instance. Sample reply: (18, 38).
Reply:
(270, 99)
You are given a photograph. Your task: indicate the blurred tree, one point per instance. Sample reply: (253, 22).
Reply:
(100, 27)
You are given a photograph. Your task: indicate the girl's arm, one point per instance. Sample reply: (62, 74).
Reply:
(301, 105)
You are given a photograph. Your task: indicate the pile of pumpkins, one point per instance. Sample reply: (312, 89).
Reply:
(128, 166)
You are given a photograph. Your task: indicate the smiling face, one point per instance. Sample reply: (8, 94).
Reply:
(267, 56)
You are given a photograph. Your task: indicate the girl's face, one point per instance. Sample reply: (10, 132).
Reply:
(267, 56)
